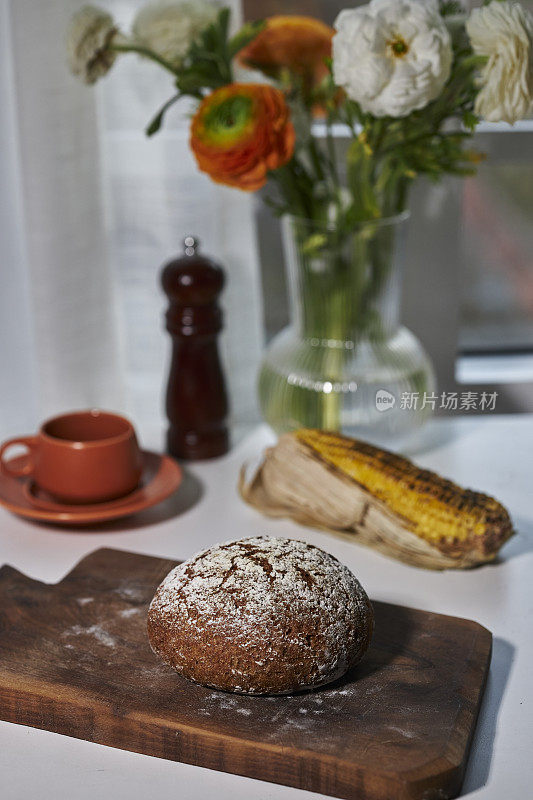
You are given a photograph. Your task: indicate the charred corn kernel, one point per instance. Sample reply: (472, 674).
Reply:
(432, 507)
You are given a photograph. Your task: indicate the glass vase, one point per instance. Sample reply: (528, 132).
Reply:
(345, 363)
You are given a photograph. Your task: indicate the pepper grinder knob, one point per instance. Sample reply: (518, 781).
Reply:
(190, 245)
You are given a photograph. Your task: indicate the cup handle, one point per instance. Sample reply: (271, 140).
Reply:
(18, 472)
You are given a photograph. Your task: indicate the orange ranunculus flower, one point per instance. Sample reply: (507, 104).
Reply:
(295, 43)
(240, 132)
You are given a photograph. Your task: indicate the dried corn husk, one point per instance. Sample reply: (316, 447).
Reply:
(302, 478)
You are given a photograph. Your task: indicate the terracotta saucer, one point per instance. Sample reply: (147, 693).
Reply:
(161, 477)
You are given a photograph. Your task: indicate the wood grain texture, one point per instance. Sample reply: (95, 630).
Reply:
(75, 659)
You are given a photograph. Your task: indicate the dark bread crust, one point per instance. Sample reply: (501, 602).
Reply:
(261, 616)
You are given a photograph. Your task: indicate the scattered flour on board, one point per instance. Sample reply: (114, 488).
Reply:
(402, 732)
(129, 612)
(129, 592)
(96, 631)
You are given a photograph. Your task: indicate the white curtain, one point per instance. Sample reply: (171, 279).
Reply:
(58, 337)
(89, 211)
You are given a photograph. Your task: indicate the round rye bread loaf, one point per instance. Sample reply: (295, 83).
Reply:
(261, 616)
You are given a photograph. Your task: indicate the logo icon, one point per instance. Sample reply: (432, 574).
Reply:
(384, 400)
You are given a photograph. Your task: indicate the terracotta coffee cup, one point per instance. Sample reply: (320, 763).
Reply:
(81, 457)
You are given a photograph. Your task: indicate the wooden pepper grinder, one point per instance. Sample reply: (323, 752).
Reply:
(196, 401)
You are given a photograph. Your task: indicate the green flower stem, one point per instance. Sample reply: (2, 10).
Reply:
(156, 122)
(316, 158)
(224, 66)
(332, 156)
(339, 288)
(146, 52)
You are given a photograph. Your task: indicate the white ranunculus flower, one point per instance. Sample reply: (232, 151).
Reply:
(503, 32)
(168, 27)
(392, 56)
(88, 36)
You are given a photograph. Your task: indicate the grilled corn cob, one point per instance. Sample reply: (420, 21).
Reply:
(347, 486)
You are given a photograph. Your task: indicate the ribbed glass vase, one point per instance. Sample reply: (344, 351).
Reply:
(345, 363)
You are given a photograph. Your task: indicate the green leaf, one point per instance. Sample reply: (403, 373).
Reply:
(277, 207)
(470, 120)
(243, 37)
(200, 75)
(473, 61)
(449, 7)
(223, 22)
(191, 83)
(207, 64)
(314, 243)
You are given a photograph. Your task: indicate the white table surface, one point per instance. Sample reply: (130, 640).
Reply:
(492, 454)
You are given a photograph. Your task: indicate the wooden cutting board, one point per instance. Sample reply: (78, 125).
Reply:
(75, 659)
